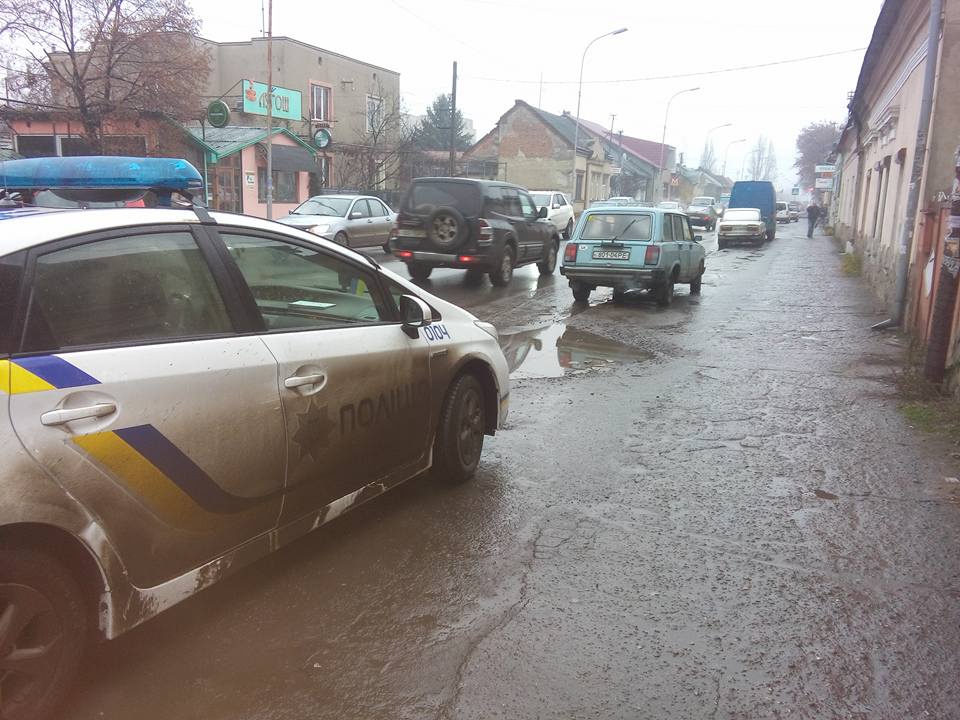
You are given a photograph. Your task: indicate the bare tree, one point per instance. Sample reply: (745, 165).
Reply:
(762, 162)
(104, 58)
(708, 158)
(377, 160)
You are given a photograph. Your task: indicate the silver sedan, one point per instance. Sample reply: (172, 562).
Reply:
(350, 220)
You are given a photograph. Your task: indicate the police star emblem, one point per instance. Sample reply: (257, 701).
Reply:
(313, 430)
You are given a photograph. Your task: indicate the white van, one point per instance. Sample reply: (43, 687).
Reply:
(783, 212)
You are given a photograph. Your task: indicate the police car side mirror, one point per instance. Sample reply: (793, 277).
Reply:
(414, 314)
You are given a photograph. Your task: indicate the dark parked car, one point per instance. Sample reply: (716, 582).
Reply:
(474, 225)
(704, 216)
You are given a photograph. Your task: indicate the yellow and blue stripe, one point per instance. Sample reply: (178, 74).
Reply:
(141, 457)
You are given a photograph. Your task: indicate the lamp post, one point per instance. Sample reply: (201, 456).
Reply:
(727, 153)
(576, 129)
(663, 140)
(707, 138)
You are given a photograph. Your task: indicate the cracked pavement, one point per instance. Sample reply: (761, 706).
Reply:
(713, 510)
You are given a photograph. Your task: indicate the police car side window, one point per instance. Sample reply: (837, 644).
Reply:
(153, 286)
(300, 288)
(11, 272)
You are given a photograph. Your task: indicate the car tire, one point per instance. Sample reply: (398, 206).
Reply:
(619, 296)
(502, 276)
(549, 263)
(721, 244)
(459, 440)
(581, 292)
(568, 231)
(419, 271)
(446, 228)
(665, 291)
(41, 601)
(697, 283)
(341, 239)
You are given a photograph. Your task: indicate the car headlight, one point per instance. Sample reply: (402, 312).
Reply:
(488, 329)
(320, 229)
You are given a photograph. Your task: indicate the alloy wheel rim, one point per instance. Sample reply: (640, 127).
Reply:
(445, 229)
(30, 648)
(470, 432)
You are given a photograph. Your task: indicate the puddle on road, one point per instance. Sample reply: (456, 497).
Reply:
(557, 350)
(824, 495)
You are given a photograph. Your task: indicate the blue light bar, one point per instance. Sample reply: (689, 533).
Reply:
(119, 173)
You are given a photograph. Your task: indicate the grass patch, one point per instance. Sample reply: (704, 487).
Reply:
(924, 404)
(941, 416)
(851, 264)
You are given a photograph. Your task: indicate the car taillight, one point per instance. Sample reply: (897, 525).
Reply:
(404, 254)
(652, 255)
(570, 253)
(486, 232)
(394, 232)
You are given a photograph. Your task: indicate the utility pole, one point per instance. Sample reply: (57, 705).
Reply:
(270, 110)
(453, 124)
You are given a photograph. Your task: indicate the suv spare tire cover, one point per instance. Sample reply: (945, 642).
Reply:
(442, 222)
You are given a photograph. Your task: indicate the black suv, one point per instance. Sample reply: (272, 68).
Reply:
(475, 225)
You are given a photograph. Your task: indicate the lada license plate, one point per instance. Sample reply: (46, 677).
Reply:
(611, 254)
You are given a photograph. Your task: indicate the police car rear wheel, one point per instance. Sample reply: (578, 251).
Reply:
(43, 627)
(459, 440)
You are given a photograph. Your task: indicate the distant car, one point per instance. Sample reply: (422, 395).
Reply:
(741, 225)
(794, 209)
(670, 205)
(704, 216)
(631, 249)
(617, 201)
(349, 220)
(783, 212)
(559, 209)
(759, 195)
(470, 224)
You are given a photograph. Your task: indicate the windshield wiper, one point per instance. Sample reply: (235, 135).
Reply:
(620, 234)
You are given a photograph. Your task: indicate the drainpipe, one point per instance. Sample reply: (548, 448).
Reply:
(916, 175)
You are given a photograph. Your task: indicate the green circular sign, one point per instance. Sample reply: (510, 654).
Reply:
(218, 114)
(322, 138)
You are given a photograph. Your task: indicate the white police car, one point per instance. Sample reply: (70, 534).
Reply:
(186, 392)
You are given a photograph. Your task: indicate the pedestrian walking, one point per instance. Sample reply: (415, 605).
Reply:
(813, 214)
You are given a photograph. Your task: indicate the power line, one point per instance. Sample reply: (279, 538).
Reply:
(670, 77)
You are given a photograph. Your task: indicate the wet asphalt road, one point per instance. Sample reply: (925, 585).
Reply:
(707, 511)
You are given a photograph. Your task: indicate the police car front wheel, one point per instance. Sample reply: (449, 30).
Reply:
(459, 442)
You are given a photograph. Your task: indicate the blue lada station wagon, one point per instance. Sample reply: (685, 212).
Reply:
(631, 249)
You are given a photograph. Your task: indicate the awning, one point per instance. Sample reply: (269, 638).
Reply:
(292, 158)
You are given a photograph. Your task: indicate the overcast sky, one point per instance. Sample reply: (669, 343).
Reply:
(504, 46)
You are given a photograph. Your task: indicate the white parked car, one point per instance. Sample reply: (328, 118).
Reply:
(559, 209)
(187, 391)
(783, 212)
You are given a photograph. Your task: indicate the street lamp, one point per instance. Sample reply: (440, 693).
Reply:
(707, 138)
(663, 140)
(576, 129)
(727, 153)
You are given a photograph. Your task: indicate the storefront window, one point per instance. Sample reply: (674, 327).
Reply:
(285, 186)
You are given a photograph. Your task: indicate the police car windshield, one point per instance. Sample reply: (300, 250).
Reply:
(330, 207)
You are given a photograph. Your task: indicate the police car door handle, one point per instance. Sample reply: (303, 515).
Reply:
(296, 381)
(60, 417)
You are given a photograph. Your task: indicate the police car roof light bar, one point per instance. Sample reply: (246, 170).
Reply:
(103, 172)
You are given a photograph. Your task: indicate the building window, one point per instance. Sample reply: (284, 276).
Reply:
(285, 186)
(374, 113)
(319, 103)
(578, 195)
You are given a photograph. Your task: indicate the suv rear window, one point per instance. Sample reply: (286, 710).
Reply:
(425, 197)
